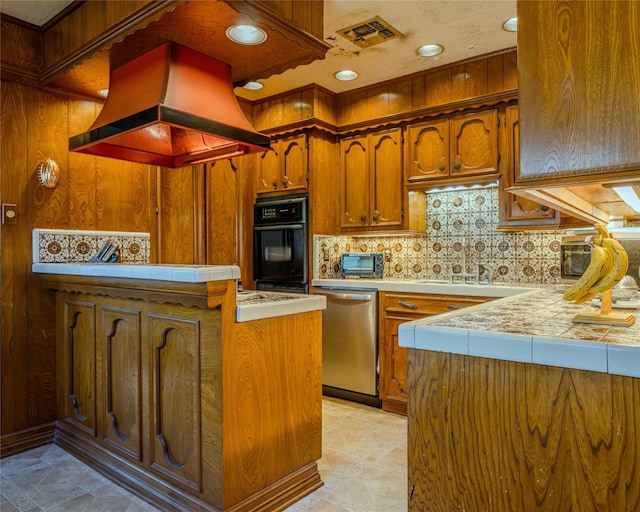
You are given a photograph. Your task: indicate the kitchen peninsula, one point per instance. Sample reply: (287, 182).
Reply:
(513, 407)
(165, 387)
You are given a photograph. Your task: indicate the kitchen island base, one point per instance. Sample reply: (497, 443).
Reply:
(160, 389)
(504, 436)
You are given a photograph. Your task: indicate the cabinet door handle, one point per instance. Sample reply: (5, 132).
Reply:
(375, 217)
(442, 167)
(284, 183)
(407, 304)
(275, 184)
(456, 166)
(455, 306)
(362, 218)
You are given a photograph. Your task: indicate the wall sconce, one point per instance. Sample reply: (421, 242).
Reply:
(48, 173)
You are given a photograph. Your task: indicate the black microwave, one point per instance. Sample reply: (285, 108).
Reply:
(363, 265)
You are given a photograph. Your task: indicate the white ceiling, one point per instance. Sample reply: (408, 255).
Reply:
(36, 12)
(466, 28)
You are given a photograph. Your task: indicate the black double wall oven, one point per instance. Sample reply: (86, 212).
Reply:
(281, 244)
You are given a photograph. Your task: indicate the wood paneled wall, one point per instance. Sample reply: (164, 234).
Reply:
(92, 193)
(304, 104)
(407, 96)
(306, 14)
(433, 88)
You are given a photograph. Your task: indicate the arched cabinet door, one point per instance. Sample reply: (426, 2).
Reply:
(354, 171)
(285, 166)
(386, 191)
(474, 143)
(428, 150)
(372, 193)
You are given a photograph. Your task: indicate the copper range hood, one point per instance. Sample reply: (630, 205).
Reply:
(171, 107)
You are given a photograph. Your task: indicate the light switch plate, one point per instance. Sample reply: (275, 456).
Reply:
(9, 213)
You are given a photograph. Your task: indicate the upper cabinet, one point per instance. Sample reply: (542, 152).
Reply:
(517, 212)
(579, 98)
(453, 149)
(285, 166)
(371, 189)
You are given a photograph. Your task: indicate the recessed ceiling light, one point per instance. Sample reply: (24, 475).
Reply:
(246, 34)
(430, 50)
(346, 74)
(253, 86)
(511, 25)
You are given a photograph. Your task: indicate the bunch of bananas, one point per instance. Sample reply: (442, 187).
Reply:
(608, 265)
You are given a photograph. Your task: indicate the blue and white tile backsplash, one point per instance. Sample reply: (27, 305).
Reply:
(77, 246)
(461, 228)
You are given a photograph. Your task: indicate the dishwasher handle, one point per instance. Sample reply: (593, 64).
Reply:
(350, 296)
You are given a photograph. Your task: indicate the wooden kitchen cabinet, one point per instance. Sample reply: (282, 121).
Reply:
(77, 401)
(372, 193)
(453, 149)
(517, 212)
(285, 166)
(147, 395)
(578, 99)
(395, 309)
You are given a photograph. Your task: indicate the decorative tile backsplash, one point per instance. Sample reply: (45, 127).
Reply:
(461, 233)
(76, 246)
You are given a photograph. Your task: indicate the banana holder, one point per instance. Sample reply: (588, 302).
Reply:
(606, 316)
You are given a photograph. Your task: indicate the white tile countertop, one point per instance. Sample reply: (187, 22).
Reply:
(531, 327)
(161, 272)
(255, 305)
(426, 286)
(251, 305)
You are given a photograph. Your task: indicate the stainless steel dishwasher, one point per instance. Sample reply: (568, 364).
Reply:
(350, 344)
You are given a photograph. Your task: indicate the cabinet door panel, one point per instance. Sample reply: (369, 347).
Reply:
(386, 181)
(294, 162)
(355, 182)
(428, 150)
(269, 169)
(474, 143)
(122, 380)
(516, 211)
(399, 308)
(176, 398)
(80, 365)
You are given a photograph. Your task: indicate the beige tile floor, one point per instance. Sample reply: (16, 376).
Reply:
(363, 466)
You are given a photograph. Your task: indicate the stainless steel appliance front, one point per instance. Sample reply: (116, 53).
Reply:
(350, 344)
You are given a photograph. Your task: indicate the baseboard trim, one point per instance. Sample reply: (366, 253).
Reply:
(27, 439)
(274, 498)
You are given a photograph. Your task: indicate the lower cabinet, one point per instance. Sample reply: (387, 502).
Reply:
(125, 372)
(163, 391)
(395, 309)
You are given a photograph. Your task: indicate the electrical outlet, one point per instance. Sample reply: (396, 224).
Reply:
(9, 213)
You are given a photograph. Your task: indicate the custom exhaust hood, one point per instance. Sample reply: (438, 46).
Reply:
(171, 107)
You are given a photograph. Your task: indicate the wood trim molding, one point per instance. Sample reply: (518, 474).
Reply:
(140, 19)
(23, 440)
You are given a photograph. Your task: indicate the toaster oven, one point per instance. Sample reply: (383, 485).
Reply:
(363, 265)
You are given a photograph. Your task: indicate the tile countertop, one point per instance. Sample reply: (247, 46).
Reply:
(533, 327)
(254, 305)
(250, 305)
(161, 272)
(426, 286)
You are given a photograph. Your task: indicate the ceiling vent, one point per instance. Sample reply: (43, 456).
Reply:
(370, 33)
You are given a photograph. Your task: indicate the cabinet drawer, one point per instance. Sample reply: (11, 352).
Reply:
(421, 305)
